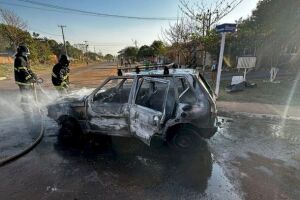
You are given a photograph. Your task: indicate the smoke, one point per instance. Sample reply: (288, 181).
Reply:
(9, 106)
(81, 92)
(10, 102)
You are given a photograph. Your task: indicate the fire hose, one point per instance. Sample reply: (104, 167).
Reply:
(35, 142)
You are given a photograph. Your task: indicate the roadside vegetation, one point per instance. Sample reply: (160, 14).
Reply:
(265, 92)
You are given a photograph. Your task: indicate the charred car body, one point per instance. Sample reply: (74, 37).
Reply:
(179, 108)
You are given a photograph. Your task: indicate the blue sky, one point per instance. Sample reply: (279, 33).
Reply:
(108, 35)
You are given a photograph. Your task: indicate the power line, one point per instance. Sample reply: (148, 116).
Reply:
(31, 7)
(96, 13)
(106, 45)
(44, 32)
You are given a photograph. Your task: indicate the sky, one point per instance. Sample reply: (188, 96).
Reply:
(106, 34)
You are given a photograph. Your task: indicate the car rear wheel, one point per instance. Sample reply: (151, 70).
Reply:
(186, 139)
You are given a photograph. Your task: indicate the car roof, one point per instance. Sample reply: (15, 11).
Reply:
(161, 72)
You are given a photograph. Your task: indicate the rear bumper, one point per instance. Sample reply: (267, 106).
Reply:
(208, 132)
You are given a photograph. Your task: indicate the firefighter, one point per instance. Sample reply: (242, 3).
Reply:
(24, 77)
(120, 73)
(166, 70)
(137, 70)
(60, 74)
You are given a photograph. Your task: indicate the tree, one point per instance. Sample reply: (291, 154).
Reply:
(14, 28)
(145, 52)
(92, 56)
(108, 57)
(129, 53)
(5, 45)
(204, 17)
(178, 35)
(75, 52)
(40, 50)
(159, 48)
(270, 33)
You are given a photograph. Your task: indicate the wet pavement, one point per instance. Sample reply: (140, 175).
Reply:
(247, 159)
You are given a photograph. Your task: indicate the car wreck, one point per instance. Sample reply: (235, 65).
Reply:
(178, 107)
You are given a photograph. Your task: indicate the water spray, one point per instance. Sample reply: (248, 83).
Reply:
(41, 135)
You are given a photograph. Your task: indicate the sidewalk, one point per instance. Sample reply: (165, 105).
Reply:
(259, 110)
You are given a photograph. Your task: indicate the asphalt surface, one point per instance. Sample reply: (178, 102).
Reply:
(247, 159)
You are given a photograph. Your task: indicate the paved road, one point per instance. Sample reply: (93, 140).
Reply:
(247, 159)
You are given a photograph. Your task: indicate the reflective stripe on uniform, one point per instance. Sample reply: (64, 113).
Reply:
(25, 68)
(20, 83)
(62, 85)
(59, 87)
(19, 68)
(27, 77)
(66, 77)
(54, 75)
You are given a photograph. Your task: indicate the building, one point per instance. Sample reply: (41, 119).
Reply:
(6, 58)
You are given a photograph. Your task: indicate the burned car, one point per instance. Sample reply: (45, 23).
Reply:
(178, 107)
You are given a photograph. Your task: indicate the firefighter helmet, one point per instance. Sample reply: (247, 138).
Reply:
(23, 50)
(64, 59)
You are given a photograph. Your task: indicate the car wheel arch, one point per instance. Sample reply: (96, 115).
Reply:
(171, 130)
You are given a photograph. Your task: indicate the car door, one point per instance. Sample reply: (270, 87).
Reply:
(147, 112)
(108, 108)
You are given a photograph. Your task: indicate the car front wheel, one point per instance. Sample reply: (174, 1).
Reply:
(69, 131)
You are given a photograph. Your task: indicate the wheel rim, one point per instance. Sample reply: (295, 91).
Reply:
(184, 140)
(67, 130)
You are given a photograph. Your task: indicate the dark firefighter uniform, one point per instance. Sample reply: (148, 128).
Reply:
(60, 75)
(24, 77)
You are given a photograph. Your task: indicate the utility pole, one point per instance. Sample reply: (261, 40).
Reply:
(62, 31)
(86, 50)
(135, 42)
(86, 46)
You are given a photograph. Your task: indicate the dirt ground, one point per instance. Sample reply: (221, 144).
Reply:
(80, 76)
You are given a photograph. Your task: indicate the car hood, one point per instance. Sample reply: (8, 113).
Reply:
(76, 96)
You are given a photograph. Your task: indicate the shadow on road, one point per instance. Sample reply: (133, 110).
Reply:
(132, 164)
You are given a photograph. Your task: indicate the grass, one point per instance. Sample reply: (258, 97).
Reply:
(265, 92)
(7, 69)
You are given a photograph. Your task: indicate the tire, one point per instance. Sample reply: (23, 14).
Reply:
(186, 140)
(70, 131)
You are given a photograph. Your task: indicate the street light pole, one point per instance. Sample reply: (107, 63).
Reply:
(62, 31)
(223, 29)
(220, 63)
